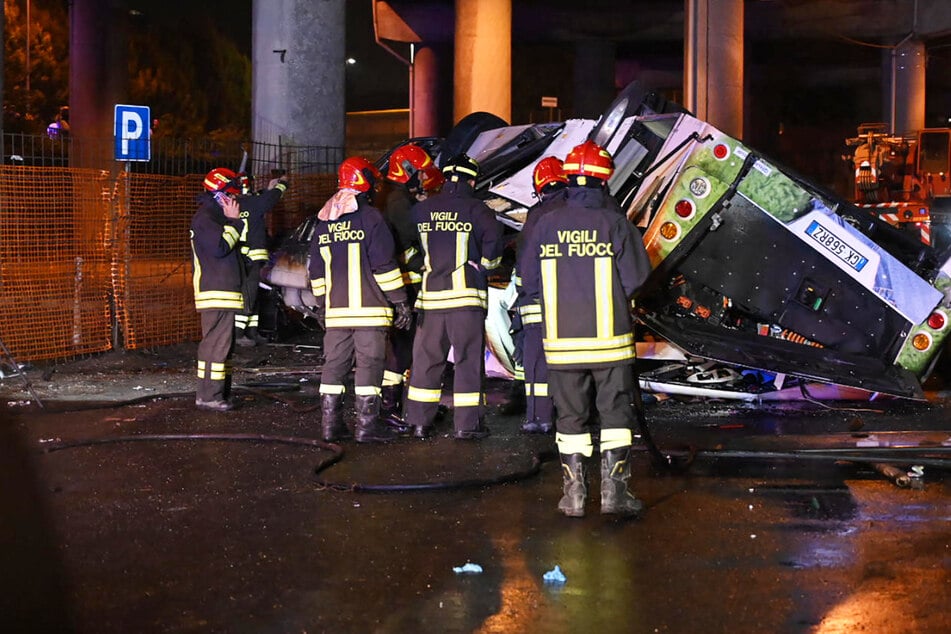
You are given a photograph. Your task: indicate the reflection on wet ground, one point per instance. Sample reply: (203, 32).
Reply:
(203, 535)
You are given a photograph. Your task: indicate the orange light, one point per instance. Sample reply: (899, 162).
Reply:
(936, 321)
(669, 230)
(921, 341)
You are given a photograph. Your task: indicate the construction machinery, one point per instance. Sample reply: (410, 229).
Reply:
(904, 179)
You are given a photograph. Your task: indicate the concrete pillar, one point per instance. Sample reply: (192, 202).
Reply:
(97, 78)
(483, 58)
(593, 78)
(713, 62)
(907, 86)
(298, 66)
(424, 96)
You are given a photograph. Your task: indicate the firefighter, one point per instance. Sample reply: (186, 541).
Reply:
(589, 263)
(409, 168)
(431, 181)
(460, 241)
(254, 207)
(549, 182)
(218, 277)
(357, 283)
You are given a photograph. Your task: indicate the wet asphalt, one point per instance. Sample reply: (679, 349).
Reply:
(219, 523)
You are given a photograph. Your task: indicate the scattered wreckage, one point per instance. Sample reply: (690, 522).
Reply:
(764, 286)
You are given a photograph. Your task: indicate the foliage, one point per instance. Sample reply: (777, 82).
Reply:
(195, 80)
(31, 111)
(200, 85)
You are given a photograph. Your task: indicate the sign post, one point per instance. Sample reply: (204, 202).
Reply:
(551, 103)
(132, 133)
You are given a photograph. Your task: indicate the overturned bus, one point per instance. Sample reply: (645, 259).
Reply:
(753, 267)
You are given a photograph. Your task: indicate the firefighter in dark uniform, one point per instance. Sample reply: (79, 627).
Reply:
(461, 241)
(549, 182)
(215, 232)
(357, 283)
(590, 262)
(407, 166)
(254, 207)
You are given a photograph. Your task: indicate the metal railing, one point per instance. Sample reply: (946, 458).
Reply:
(169, 156)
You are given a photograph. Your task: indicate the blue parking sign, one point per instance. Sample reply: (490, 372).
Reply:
(132, 133)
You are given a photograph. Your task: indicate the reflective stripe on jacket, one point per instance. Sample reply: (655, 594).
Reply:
(589, 262)
(460, 240)
(254, 207)
(217, 273)
(353, 270)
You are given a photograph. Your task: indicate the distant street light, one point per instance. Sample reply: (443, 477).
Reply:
(351, 61)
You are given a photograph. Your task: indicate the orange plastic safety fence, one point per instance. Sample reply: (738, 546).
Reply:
(304, 197)
(54, 264)
(90, 259)
(152, 266)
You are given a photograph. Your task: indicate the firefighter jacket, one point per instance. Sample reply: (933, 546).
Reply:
(399, 203)
(460, 240)
(253, 209)
(353, 270)
(589, 263)
(530, 312)
(216, 258)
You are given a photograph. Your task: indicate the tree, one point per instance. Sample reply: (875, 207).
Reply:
(30, 110)
(199, 86)
(194, 79)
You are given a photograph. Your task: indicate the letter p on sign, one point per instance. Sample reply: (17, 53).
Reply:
(132, 142)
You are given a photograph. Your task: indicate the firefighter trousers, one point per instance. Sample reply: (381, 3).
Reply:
(538, 403)
(464, 331)
(214, 353)
(399, 348)
(249, 317)
(613, 389)
(360, 349)
(399, 354)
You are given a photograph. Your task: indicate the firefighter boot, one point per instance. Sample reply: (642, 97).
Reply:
(391, 409)
(369, 427)
(254, 335)
(576, 486)
(242, 340)
(615, 472)
(515, 403)
(332, 427)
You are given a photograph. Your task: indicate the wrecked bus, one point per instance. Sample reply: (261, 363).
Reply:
(753, 266)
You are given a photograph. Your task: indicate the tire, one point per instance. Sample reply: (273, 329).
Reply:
(464, 134)
(637, 98)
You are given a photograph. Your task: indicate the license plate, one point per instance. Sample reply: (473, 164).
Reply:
(836, 246)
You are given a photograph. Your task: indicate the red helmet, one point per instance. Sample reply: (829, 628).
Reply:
(357, 173)
(548, 171)
(405, 161)
(221, 179)
(589, 159)
(431, 179)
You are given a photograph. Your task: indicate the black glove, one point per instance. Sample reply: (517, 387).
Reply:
(320, 316)
(518, 353)
(403, 318)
